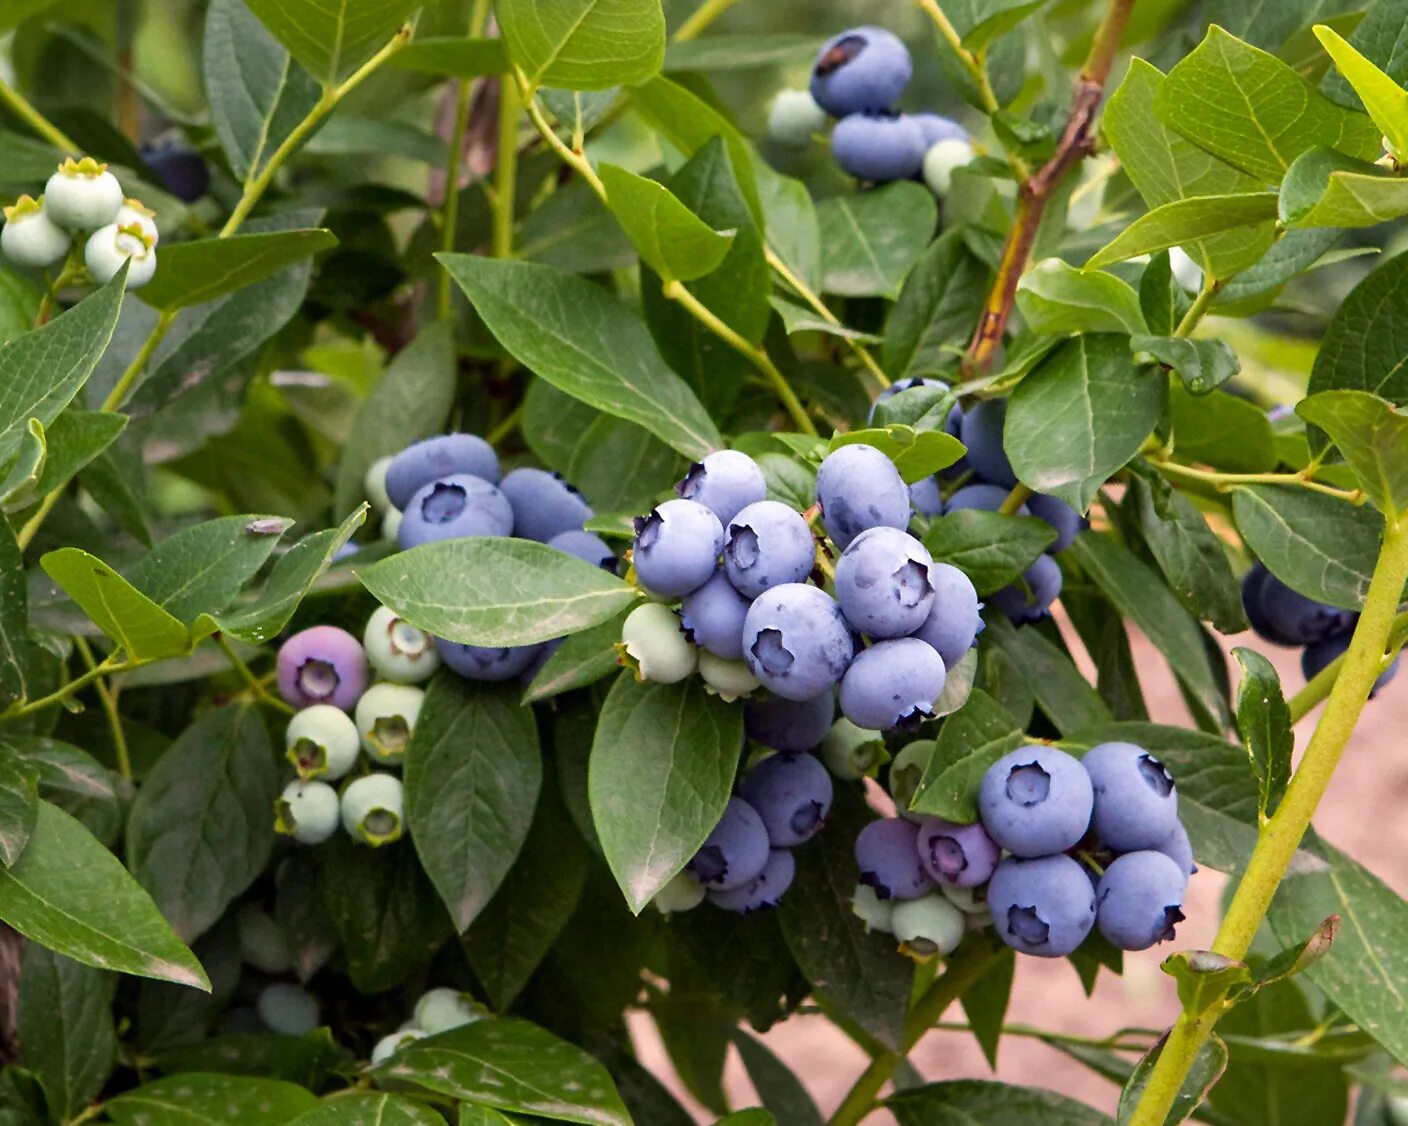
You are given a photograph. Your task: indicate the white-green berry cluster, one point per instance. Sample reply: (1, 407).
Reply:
(438, 1010)
(82, 200)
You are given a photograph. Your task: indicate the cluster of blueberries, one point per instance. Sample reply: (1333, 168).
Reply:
(82, 198)
(437, 1010)
(1094, 841)
(1286, 617)
(858, 77)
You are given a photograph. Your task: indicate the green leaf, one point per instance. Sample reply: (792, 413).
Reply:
(66, 1028)
(19, 806)
(204, 269)
(1207, 1068)
(472, 777)
(256, 92)
(572, 231)
(618, 466)
(1372, 434)
(72, 780)
(991, 549)
(1205, 979)
(19, 300)
(1140, 596)
(673, 241)
(453, 56)
(936, 310)
(1056, 298)
(573, 334)
(1222, 430)
(19, 485)
(989, 1103)
(584, 44)
(856, 970)
(997, 18)
(41, 371)
(1324, 188)
(662, 766)
(145, 631)
(1296, 252)
(1254, 111)
(1364, 348)
(583, 658)
(515, 1066)
(781, 1091)
(1081, 415)
(1383, 98)
(364, 1108)
(410, 401)
(1049, 675)
(196, 1099)
(1379, 36)
(1185, 221)
(335, 38)
(916, 453)
(309, 1060)
(21, 659)
(1316, 544)
(793, 230)
(985, 1005)
(495, 591)
(740, 52)
(1300, 956)
(201, 829)
(1264, 722)
(73, 441)
(870, 241)
(969, 742)
(72, 895)
(1165, 167)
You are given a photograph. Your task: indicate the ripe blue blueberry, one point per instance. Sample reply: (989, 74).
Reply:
(928, 927)
(1136, 805)
(676, 547)
(792, 794)
(440, 1009)
(586, 546)
(725, 483)
(942, 159)
(793, 117)
(767, 544)
(735, 852)
(543, 504)
(1316, 657)
(447, 455)
(1036, 801)
(887, 854)
(937, 128)
(763, 890)
(82, 195)
(958, 855)
(982, 434)
(373, 809)
(452, 508)
(981, 497)
(386, 718)
(865, 68)
(953, 622)
(322, 665)
(178, 168)
(486, 662)
(729, 680)
(1043, 580)
(858, 487)
(307, 812)
(1139, 898)
(289, 1010)
(789, 725)
(850, 752)
(30, 239)
(398, 650)
(1286, 617)
(1066, 521)
(322, 742)
(796, 641)
(892, 684)
(878, 147)
(1043, 906)
(393, 1042)
(882, 583)
(713, 617)
(925, 498)
(655, 645)
(1179, 849)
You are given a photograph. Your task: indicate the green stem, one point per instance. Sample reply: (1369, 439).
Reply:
(1319, 686)
(59, 695)
(1200, 305)
(1225, 481)
(970, 62)
(676, 291)
(73, 269)
(120, 390)
(1281, 834)
(256, 686)
(507, 426)
(973, 959)
(701, 18)
(32, 525)
(26, 112)
(107, 696)
(1019, 496)
(452, 189)
(572, 157)
(818, 306)
(506, 168)
(1116, 1042)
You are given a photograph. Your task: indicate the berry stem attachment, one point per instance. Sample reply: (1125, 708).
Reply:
(1225, 481)
(1019, 496)
(25, 111)
(1281, 834)
(257, 689)
(107, 697)
(1200, 306)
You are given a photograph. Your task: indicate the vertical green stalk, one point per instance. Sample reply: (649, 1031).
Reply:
(40, 124)
(453, 161)
(700, 19)
(506, 168)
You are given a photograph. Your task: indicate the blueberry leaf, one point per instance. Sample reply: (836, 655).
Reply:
(1048, 672)
(1185, 221)
(988, 547)
(332, 40)
(1324, 188)
(1264, 722)
(781, 1091)
(1056, 298)
(1372, 434)
(19, 806)
(65, 1020)
(1208, 1067)
(1201, 364)
(976, 1100)
(936, 309)
(208, 1099)
(584, 44)
(144, 630)
(582, 659)
(1384, 99)
(870, 241)
(376, 1109)
(1221, 430)
(970, 741)
(671, 239)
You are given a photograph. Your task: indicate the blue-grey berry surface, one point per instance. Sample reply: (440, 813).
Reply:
(1036, 801)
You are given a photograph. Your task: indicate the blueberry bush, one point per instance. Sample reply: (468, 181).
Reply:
(524, 520)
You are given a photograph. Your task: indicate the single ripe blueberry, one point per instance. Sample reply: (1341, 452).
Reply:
(676, 547)
(954, 621)
(656, 645)
(713, 617)
(1139, 900)
(928, 927)
(1178, 848)
(790, 725)
(958, 855)
(982, 434)
(878, 147)
(892, 684)
(1043, 906)
(454, 507)
(763, 890)
(725, 483)
(481, 662)
(543, 504)
(858, 487)
(882, 583)
(1316, 657)
(322, 665)
(865, 68)
(981, 497)
(887, 854)
(936, 128)
(735, 852)
(1136, 805)
(925, 497)
(178, 168)
(1036, 801)
(1286, 617)
(1019, 606)
(767, 544)
(586, 546)
(796, 641)
(448, 455)
(1066, 521)
(792, 794)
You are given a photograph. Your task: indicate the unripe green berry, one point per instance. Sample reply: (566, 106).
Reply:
(322, 742)
(441, 1009)
(391, 525)
(386, 717)
(373, 809)
(30, 239)
(393, 1042)
(83, 195)
(793, 117)
(307, 811)
(970, 900)
(398, 650)
(374, 484)
(135, 213)
(683, 893)
(287, 1009)
(877, 914)
(109, 247)
(728, 679)
(263, 943)
(653, 644)
(906, 772)
(852, 752)
(928, 926)
(942, 160)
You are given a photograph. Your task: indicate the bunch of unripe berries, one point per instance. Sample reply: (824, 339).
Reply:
(1063, 845)
(82, 200)
(858, 77)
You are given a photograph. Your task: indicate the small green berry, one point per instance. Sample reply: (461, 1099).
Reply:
(877, 914)
(307, 811)
(322, 742)
(263, 943)
(386, 717)
(398, 650)
(373, 809)
(928, 926)
(653, 644)
(441, 1009)
(730, 680)
(683, 893)
(393, 1042)
(852, 752)
(941, 161)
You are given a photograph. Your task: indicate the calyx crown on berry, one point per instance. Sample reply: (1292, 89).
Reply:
(86, 167)
(23, 207)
